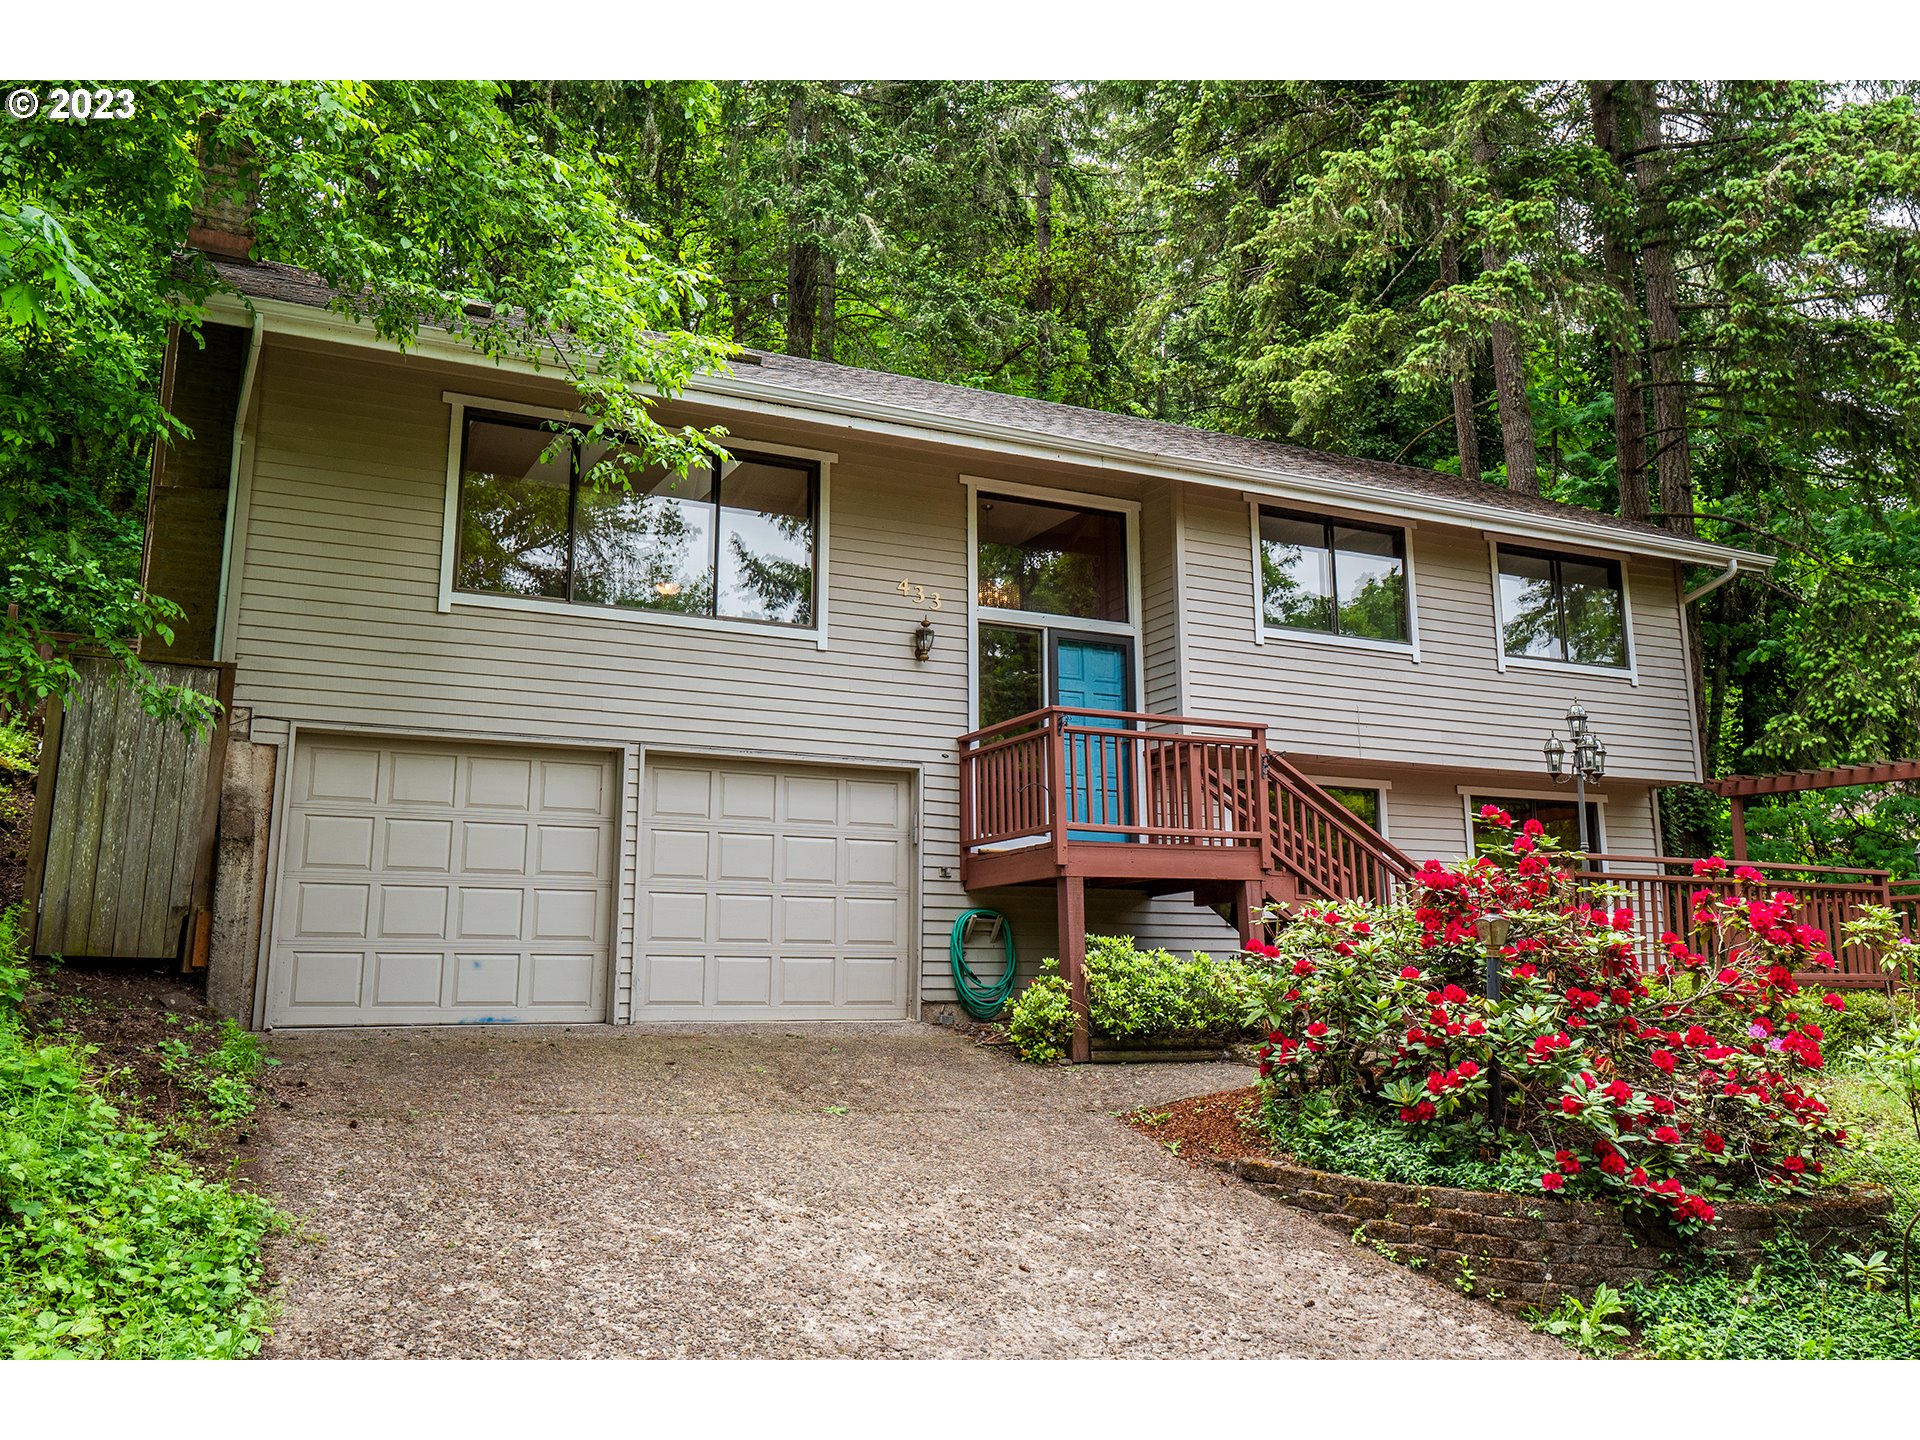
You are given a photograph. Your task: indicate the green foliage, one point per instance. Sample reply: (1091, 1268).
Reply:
(1041, 1019)
(1589, 1328)
(1795, 1306)
(437, 194)
(19, 750)
(1142, 994)
(113, 1246)
(217, 1088)
(1312, 1129)
(1869, 1015)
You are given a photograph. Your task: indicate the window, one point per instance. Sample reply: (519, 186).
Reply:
(1335, 577)
(1052, 559)
(1562, 607)
(1012, 681)
(738, 544)
(1364, 801)
(1558, 818)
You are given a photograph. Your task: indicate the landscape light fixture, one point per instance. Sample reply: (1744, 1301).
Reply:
(1589, 763)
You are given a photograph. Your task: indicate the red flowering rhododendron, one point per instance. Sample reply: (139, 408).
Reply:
(1666, 1073)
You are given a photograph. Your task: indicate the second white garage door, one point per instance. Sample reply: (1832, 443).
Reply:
(773, 893)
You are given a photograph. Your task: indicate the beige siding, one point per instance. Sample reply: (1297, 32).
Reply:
(1161, 691)
(1455, 705)
(336, 624)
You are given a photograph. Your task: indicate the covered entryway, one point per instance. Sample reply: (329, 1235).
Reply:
(773, 893)
(443, 883)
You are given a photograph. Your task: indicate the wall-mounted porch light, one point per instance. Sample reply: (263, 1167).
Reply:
(923, 640)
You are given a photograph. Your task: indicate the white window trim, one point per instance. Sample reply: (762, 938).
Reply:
(816, 633)
(1503, 661)
(1467, 792)
(1362, 782)
(1263, 632)
(1036, 620)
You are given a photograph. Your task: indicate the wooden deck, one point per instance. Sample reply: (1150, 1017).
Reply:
(1175, 803)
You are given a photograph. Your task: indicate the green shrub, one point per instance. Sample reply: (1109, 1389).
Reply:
(110, 1246)
(1869, 1016)
(1041, 1020)
(19, 750)
(1135, 994)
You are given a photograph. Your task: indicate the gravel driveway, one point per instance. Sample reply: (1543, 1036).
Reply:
(861, 1191)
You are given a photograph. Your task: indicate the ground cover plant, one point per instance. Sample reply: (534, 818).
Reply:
(1666, 1091)
(113, 1241)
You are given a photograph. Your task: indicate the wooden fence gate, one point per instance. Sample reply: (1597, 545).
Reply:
(121, 854)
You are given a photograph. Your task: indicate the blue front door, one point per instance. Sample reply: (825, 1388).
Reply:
(1094, 674)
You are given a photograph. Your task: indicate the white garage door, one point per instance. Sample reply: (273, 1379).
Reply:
(773, 893)
(432, 883)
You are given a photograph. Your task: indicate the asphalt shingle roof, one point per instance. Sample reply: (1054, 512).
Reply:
(821, 383)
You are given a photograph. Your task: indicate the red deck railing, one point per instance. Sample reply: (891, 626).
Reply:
(1327, 849)
(1059, 776)
(1660, 890)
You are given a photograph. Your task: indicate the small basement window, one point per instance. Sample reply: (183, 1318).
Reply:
(544, 515)
(1334, 577)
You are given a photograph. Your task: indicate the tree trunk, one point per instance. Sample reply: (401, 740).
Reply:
(1623, 347)
(1509, 366)
(826, 341)
(1465, 437)
(803, 251)
(1043, 253)
(1670, 458)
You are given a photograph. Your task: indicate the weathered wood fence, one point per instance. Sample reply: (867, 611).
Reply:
(121, 855)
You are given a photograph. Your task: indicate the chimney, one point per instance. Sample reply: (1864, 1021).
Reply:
(229, 194)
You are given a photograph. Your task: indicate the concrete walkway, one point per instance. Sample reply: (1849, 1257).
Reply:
(859, 1191)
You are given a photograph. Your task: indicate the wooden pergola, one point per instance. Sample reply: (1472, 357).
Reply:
(1741, 788)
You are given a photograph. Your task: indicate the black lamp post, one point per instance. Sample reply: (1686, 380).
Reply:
(1588, 753)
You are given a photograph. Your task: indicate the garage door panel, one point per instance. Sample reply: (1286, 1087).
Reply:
(330, 909)
(679, 981)
(746, 857)
(421, 845)
(486, 979)
(809, 859)
(487, 913)
(570, 850)
(409, 977)
(322, 978)
(807, 981)
(567, 915)
(335, 772)
(499, 784)
(563, 980)
(422, 779)
(678, 855)
(877, 862)
(342, 842)
(464, 916)
(804, 910)
(413, 912)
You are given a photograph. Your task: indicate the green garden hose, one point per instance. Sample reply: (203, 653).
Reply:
(983, 1001)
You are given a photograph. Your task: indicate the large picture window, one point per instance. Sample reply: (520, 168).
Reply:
(1562, 607)
(1559, 818)
(1334, 577)
(537, 520)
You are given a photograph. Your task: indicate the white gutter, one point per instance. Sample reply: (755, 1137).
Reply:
(741, 393)
(254, 342)
(1701, 592)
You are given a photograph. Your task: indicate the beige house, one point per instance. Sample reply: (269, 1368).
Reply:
(506, 746)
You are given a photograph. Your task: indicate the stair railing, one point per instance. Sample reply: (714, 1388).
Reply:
(1327, 849)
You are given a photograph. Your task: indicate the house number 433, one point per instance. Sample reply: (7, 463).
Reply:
(919, 594)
